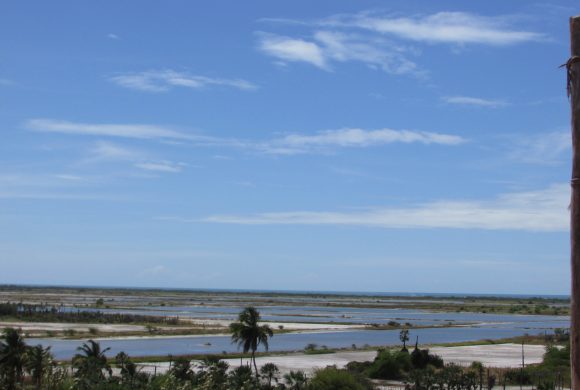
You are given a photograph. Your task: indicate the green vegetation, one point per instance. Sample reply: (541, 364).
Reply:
(33, 367)
(420, 370)
(331, 378)
(24, 367)
(46, 313)
(90, 366)
(12, 358)
(313, 349)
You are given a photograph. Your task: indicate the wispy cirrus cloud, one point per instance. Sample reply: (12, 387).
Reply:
(293, 49)
(112, 152)
(381, 40)
(108, 151)
(292, 143)
(540, 210)
(165, 80)
(160, 166)
(328, 47)
(441, 27)
(548, 148)
(474, 101)
(139, 131)
(356, 138)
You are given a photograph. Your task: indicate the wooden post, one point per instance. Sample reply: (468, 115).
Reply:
(573, 68)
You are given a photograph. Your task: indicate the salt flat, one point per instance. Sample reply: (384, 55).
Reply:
(496, 355)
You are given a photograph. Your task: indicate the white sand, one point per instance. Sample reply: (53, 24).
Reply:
(498, 355)
(285, 325)
(59, 326)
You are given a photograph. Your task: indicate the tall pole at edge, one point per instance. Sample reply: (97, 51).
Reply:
(573, 69)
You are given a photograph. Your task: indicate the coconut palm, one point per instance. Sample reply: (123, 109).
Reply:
(90, 365)
(129, 371)
(12, 352)
(38, 362)
(269, 372)
(249, 334)
(404, 337)
(296, 380)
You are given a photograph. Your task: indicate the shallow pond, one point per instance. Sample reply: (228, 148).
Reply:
(163, 346)
(321, 314)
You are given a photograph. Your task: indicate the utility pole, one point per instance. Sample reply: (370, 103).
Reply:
(523, 366)
(573, 71)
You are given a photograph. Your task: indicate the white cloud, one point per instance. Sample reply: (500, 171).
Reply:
(67, 177)
(165, 80)
(542, 210)
(110, 130)
(112, 36)
(353, 137)
(328, 46)
(548, 148)
(111, 152)
(362, 38)
(442, 27)
(375, 52)
(108, 151)
(290, 144)
(160, 166)
(291, 49)
(474, 101)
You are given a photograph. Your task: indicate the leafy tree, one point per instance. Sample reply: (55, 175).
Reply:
(331, 378)
(249, 334)
(421, 358)
(90, 365)
(12, 357)
(390, 365)
(38, 362)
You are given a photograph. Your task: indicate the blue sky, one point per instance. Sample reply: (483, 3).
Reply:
(332, 145)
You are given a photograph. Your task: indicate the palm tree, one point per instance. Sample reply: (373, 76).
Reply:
(12, 351)
(90, 364)
(269, 371)
(404, 337)
(38, 361)
(296, 380)
(249, 334)
(129, 371)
